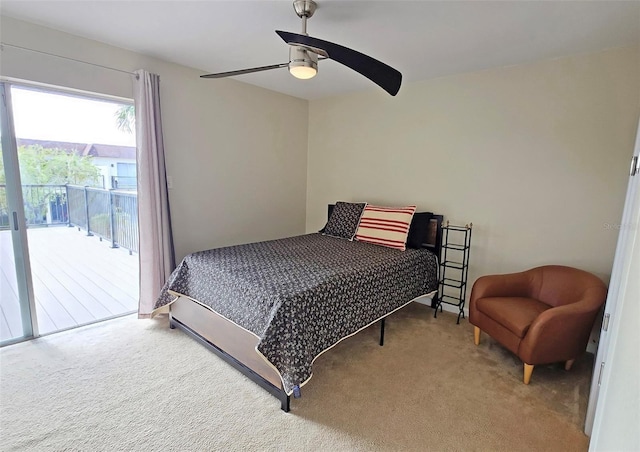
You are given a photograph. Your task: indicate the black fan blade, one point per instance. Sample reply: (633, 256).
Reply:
(379, 73)
(245, 71)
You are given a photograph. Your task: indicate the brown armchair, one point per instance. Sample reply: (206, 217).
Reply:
(543, 315)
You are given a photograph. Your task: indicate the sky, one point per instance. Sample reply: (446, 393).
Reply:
(47, 116)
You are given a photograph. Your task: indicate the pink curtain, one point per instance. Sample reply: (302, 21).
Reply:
(157, 259)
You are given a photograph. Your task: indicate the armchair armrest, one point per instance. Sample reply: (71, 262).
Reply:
(509, 285)
(558, 334)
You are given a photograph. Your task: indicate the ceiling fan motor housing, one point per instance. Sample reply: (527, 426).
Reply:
(302, 63)
(304, 8)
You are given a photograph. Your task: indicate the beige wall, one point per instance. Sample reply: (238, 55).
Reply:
(536, 156)
(237, 153)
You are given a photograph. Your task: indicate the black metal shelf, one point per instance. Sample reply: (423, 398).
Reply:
(455, 302)
(452, 282)
(457, 228)
(454, 247)
(459, 241)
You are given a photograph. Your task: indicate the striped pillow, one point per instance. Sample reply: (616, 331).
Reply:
(386, 226)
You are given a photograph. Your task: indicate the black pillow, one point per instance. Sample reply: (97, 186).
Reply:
(419, 229)
(330, 208)
(344, 220)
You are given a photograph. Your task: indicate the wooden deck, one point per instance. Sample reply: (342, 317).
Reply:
(77, 280)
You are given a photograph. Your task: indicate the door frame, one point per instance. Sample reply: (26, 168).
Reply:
(17, 221)
(617, 285)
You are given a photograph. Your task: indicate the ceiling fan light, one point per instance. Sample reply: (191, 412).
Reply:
(303, 72)
(302, 63)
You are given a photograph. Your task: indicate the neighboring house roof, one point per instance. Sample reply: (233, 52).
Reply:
(75, 148)
(110, 150)
(92, 149)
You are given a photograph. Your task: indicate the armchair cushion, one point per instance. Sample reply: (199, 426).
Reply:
(514, 313)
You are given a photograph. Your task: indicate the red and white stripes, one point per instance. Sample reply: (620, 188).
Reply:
(386, 226)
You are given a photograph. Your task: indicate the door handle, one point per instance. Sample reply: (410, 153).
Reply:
(15, 221)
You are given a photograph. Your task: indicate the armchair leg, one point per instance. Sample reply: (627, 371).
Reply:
(528, 370)
(476, 335)
(568, 364)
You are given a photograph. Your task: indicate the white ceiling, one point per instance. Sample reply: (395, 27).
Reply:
(422, 39)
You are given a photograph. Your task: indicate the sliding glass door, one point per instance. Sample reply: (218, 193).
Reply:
(68, 217)
(17, 320)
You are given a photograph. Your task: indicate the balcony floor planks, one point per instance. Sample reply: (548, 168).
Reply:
(115, 290)
(77, 279)
(77, 288)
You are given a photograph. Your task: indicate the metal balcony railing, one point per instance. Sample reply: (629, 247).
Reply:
(110, 214)
(43, 205)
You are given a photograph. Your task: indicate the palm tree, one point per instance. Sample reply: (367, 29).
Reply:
(126, 118)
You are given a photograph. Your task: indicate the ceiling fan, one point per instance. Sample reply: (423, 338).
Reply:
(305, 51)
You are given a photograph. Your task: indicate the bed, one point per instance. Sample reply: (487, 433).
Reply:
(271, 308)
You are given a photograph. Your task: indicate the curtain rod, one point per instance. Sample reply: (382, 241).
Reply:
(2, 44)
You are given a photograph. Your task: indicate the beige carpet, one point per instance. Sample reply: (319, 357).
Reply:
(133, 384)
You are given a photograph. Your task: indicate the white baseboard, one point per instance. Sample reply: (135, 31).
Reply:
(445, 307)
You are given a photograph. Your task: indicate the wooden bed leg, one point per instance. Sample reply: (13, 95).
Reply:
(382, 332)
(568, 364)
(476, 335)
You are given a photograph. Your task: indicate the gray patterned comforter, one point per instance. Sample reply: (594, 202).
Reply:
(301, 295)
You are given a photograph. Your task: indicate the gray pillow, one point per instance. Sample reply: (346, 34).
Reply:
(344, 220)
